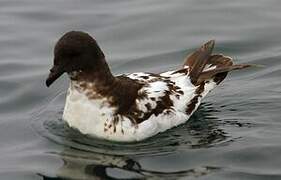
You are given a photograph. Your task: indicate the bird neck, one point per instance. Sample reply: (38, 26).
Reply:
(99, 76)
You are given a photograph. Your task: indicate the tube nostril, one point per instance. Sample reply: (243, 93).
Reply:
(54, 69)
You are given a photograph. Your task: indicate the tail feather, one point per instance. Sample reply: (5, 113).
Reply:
(198, 60)
(215, 73)
(200, 65)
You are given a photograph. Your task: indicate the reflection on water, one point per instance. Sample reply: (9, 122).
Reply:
(86, 165)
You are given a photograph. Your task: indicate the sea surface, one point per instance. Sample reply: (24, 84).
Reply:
(234, 135)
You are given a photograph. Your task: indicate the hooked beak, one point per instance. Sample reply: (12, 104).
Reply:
(55, 73)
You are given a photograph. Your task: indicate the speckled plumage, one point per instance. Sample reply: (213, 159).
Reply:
(97, 117)
(132, 107)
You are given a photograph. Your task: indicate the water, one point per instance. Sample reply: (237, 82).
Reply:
(235, 134)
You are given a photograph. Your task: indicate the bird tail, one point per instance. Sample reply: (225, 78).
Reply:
(204, 66)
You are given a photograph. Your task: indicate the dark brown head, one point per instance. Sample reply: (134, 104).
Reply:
(75, 51)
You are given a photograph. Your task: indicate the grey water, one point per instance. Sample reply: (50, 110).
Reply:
(235, 134)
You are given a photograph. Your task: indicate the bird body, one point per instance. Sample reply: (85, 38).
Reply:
(132, 107)
(97, 116)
